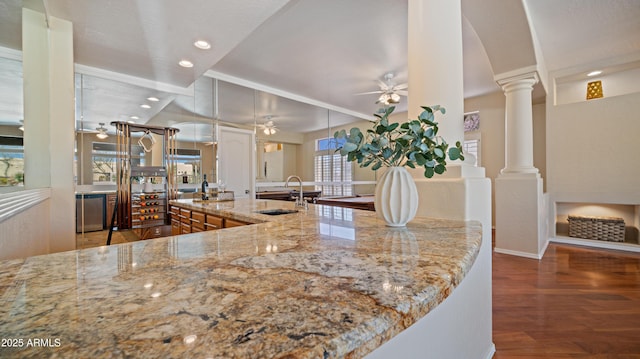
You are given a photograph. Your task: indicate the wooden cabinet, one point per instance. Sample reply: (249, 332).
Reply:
(197, 221)
(176, 227)
(185, 221)
(228, 223)
(111, 203)
(213, 222)
(185, 228)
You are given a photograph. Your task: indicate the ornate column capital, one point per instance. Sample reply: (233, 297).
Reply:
(509, 78)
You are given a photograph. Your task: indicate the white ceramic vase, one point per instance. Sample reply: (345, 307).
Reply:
(396, 198)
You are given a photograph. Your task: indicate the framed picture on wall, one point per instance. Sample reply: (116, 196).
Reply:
(471, 121)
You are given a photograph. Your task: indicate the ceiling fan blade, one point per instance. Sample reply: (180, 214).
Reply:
(369, 93)
(402, 92)
(401, 86)
(383, 85)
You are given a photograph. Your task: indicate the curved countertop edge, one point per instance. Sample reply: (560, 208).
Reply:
(400, 314)
(408, 316)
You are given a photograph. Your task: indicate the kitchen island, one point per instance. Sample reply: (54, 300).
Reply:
(324, 282)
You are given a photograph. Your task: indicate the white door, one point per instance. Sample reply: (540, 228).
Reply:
(236, 161)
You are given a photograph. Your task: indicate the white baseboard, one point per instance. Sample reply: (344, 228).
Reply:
(519, 253)
(596, 244)
(491, 351)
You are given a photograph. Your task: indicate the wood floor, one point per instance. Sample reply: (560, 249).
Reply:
(99, 238)
(574, 303)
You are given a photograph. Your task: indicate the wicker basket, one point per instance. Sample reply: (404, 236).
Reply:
(600, 228)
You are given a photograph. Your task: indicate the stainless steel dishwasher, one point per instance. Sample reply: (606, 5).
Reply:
(94, 206)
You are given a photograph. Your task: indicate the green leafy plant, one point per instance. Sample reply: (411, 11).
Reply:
(414, 143)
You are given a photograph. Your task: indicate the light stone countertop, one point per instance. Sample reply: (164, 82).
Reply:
(326, 282)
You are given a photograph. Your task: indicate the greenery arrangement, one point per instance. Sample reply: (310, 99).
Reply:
(413, 143)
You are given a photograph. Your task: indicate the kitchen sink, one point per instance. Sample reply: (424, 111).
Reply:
(276, 212)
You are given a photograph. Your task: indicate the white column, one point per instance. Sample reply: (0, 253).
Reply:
(260, 162)
(49, 109)
(435, 63)
(519, 124)
(520, 222)
(463, 192)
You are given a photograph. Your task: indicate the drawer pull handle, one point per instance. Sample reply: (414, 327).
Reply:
(211, 225)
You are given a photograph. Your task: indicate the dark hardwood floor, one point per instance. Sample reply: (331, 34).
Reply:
(574, 303)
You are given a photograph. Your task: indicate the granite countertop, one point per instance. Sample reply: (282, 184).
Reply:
(326, 282)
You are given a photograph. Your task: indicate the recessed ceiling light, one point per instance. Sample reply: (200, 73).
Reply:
(594, 73)
(185, 63)
(201, 44)
(134, 117)
(145, 106)
(153, 99)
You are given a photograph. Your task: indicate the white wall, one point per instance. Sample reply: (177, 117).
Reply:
(24, 235)
(592, 150)
(24, 223)
(613, 84)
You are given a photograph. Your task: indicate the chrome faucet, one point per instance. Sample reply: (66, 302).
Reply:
(300, 200)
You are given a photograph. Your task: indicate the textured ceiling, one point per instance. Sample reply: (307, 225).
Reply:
(147, 38)
(584, 32)
(321, 52)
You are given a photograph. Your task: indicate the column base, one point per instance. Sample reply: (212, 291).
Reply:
(525, 171)
(521, 226)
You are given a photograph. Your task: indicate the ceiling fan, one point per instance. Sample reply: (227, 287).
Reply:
(269, 128)
(102, 131)
(389, 92)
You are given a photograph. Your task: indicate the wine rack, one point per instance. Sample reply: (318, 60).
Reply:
(148, 202)
(148, 209)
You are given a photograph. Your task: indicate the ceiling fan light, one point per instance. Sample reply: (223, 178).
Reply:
(394, 98)
(384, 99)
(266, 131)
(102, 132)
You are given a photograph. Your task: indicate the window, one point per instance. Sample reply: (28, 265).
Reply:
(188, 163)
(326, 144)
(103, 161)
(471, 145)
(11, 161)
(331, 170)
(11, 126)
